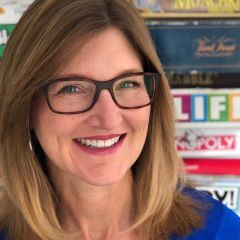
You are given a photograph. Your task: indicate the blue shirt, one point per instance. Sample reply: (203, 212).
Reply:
(221, 223)
(2, 236)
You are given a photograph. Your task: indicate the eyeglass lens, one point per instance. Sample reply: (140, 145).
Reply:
(78, 95)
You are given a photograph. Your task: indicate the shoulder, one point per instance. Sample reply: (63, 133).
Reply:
(3, 236)
(221, 223)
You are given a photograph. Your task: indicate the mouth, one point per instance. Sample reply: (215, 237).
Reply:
(100, 142)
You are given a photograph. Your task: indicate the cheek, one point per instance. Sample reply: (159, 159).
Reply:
(139, 127)
(53, 131)
(48, 125)
(138, 122)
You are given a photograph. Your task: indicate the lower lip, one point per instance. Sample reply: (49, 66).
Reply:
(103, 151)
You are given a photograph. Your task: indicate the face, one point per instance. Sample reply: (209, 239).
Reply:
(63, 137)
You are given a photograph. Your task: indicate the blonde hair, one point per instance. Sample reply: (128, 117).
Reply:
(34, 52)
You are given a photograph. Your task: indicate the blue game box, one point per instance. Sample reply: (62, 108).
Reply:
(190, 46)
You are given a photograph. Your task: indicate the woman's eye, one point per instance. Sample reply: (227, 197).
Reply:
(128, 84)
(69, 90)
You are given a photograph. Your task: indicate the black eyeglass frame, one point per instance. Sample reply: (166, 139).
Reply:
(101, 86)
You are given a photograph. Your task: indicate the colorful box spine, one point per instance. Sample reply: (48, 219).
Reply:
(10, 13)
(210, 46)
(188, 6)
(204, 80)
(215, 143)
(207, 105)
(218, 166)
(228, 194)
(5, 31)
(224, 188)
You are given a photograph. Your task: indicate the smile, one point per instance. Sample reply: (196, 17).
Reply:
(98, 143)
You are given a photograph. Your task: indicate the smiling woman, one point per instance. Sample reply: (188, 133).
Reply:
(87, 132)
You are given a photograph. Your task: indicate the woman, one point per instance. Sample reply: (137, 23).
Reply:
(87, 132)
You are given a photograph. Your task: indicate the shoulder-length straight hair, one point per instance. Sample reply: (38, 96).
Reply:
(35, 51)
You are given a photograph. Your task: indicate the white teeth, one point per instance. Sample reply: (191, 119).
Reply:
(88, 142)
(93, 143)
(98, 143)
(108, 143)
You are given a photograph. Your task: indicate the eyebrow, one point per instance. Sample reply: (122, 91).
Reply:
(122, 73)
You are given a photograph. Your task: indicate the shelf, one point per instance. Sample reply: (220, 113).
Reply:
(190, 15)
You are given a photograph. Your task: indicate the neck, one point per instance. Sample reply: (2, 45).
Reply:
(97, 212)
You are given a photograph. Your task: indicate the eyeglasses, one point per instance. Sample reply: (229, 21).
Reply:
(78, 95)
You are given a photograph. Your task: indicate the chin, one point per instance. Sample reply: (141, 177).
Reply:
(101, 180)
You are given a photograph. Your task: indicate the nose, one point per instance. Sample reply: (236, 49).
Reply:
(105, 114)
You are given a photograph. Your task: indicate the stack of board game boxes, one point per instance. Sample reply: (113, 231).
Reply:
(198, 43)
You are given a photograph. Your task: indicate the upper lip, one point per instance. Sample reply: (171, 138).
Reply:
(101, 137)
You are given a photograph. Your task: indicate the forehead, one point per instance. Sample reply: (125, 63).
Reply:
(103, 56)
